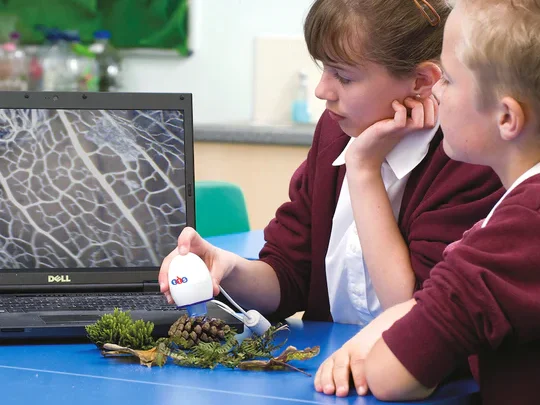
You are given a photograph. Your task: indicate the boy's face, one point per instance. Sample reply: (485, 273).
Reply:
(470, 132)
(359, 96)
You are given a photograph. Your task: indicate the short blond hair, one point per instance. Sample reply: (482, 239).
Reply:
(501, 46)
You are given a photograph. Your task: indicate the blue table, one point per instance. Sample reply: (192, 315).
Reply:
(78, 374)
(245, 244)
(62, 374)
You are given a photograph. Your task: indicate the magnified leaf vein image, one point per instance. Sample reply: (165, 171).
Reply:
(90, 188)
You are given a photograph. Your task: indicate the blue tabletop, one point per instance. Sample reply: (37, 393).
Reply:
(78, 374)
(245, 244)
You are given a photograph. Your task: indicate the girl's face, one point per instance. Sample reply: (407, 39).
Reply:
(359, 96)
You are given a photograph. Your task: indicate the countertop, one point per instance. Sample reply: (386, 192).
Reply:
(296, 135)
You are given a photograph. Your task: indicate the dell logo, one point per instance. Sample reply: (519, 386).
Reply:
(59, 279)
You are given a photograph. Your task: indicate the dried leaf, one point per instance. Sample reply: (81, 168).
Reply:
(268, 365)
(146, 357)
(292, 353)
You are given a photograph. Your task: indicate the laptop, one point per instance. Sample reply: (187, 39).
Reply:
(94, 190)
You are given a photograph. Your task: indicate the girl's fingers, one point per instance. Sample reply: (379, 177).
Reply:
(435, 106)
(417, 112)
(429, 112)
(400, 115)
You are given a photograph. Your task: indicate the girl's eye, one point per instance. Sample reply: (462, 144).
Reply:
(444, 81)
(341, 79)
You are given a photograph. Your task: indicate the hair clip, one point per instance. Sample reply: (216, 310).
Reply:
(434, 19)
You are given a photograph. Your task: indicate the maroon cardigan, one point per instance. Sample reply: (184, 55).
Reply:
(442, 199)
(483, 299)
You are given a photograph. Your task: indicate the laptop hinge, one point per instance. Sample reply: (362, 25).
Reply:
(150, 286)
(73, 288)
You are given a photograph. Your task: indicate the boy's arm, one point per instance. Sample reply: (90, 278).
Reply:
(483, 294)
(443, 199)
(382, 366)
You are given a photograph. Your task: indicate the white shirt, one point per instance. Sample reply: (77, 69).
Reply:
(352, 296)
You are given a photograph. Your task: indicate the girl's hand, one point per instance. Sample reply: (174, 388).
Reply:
(219, 262)
(370, 148)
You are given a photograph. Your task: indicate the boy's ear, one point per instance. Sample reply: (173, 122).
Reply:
(426, 75)
(511, 118)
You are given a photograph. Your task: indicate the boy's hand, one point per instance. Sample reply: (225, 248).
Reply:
(370, 148)
(334, 375)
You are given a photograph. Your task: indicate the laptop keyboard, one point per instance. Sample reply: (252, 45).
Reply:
(85, 302)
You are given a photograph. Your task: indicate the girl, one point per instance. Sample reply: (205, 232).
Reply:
(367, 219)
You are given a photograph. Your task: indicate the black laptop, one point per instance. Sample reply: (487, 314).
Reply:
(94, 190)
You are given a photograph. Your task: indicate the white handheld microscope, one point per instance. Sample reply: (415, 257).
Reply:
(191, 288)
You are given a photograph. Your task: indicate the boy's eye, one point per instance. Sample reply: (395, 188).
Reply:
(341, 79)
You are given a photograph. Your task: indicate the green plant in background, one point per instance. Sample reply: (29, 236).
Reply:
(132, 23)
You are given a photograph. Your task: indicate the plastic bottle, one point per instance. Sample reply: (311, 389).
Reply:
(55, 75)
(108, 61)
(81, 64)
(15, 57)
(300, 108)
(35, 72)
(35, 64)
(5, 70)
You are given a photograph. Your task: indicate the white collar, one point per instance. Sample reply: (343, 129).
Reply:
(406, 155)
(533, 171)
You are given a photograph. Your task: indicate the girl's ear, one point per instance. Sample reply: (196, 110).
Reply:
(427, 74)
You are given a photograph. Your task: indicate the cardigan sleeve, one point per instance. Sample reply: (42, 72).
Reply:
(484, 294)
(288, 247)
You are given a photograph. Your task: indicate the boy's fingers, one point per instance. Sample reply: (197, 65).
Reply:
(358, 374)
(327, 378)
(317, 380)
(341, 372)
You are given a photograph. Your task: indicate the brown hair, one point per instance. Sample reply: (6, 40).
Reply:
(500, 44)
(393, 33)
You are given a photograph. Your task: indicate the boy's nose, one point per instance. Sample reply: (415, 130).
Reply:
(324, 89)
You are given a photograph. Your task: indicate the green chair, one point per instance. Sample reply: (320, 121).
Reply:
(220, 208)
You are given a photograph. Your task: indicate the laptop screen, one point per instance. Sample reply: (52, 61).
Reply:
(90, 188)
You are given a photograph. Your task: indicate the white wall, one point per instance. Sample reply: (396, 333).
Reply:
(220, 73)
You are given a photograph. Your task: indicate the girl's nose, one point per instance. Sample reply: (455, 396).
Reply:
(325, 89)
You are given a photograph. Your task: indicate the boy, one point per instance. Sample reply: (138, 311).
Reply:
(483, 300)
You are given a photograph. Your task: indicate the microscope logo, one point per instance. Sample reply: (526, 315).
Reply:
(179, 280)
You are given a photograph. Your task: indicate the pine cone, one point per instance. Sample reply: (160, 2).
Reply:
(189, 331)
